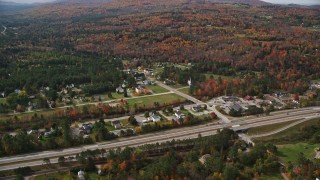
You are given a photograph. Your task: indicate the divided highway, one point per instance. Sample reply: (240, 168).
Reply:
(34, 159)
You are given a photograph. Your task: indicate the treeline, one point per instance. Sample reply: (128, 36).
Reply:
(60, 137)
(225, 159)
(250, 84)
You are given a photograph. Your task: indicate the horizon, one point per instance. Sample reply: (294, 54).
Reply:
(305, 2)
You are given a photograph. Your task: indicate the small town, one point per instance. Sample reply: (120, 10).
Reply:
(159, 90)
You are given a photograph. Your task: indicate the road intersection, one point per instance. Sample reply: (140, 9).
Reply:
(36, 159)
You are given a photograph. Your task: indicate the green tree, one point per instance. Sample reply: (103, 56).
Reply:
(52, 94)
(66, 132)
(132, 120)
(231, 173)
(101, 132)
(61, 161)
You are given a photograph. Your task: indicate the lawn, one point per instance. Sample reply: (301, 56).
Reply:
(185, 90)
(289, 152)
(268, 128)
(109, 126)
(176, 86)
(161, 99)
(114, 96)
(271, 177)
(28, 115)
(125, 124)
(157, 89)
(62, 176)
(288, 132)
(65, 176)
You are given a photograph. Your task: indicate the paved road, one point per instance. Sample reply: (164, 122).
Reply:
(246, 138)
(196, 101)
(278, 130)
(4, 31)
(91, 103)
(33, 159)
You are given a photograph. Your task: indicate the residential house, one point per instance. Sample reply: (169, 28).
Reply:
(32, 131)
(139, 89)
(116, 124)
(147, 82)
(47, 134)
(196, 108)
(179, 115)
(168, 82)
(139, 76)
(189, 82)
(154, 117)
(148, 72)
(70, 86)
(81, 175)
(17, 91)
(203, 159)
(86, 128)
(119, 89)
(281, 94)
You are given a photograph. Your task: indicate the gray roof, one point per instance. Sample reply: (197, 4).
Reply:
(236, 107)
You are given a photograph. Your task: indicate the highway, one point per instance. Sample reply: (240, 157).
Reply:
(33, 159)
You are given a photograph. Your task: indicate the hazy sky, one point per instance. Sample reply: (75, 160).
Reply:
(30, 1)
(303, 2)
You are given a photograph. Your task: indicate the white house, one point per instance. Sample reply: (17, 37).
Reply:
(154, 118)
(116, 124)
(120, 90)
(189, 82)
(139, 89)
(179, 115)
(81, 175)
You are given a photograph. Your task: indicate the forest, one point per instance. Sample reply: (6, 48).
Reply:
(272, 47)
(226, 158)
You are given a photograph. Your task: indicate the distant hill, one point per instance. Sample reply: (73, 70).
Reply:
(250, 2)
(11, 7)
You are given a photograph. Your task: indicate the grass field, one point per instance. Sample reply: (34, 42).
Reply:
(157, 89)
(185, 90)
(149, 100)
(114, 96)
(62, 176)
(268, 128)
(65, 176)
(176, 86)
(289, 152)
(290, 131)
(109, 126)
(271, 177)
(28, 115)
